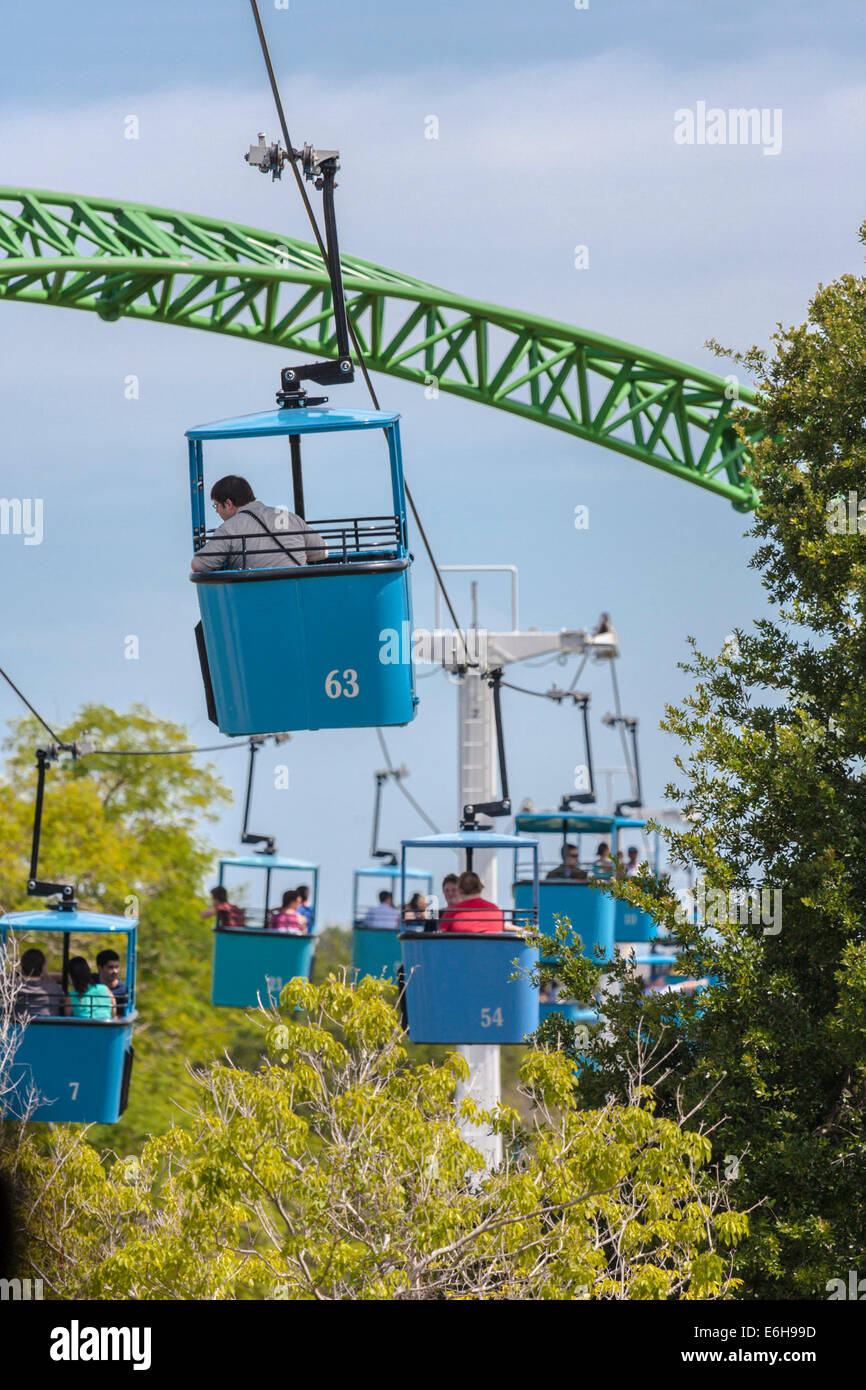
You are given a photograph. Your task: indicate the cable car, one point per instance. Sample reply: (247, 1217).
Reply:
(631, 923)
(252, 963)
(459, 987)
(568, 1009)
(301, 647)
(80, 1068)
(77, 1069)
(591, 912)
(376, 950)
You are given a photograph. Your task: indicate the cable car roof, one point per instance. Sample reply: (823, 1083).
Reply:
(309, 421)
(575, 822)
(470, 839)
(52, 919)
(391, 871)
(266, 861)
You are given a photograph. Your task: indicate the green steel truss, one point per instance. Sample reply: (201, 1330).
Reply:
(128, 259)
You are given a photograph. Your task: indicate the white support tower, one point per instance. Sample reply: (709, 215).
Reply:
(478, 773)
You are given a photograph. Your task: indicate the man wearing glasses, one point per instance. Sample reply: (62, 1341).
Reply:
(254, 535)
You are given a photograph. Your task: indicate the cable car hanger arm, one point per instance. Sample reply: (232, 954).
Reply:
(320, 166)
(631, 724)
(36, 887)
(381, 778)
(268, 843)
(586, 798)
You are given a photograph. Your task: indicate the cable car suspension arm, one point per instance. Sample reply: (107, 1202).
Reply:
(397, 773)
(248, 837)
(37, 887)
(587, 797)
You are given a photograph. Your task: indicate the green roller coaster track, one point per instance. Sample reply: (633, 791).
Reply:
(122, 259)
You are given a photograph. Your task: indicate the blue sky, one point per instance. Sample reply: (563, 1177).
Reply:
(99, 47)
(555, 130)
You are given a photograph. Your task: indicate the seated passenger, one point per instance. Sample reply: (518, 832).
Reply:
(472, 913)
(450, 891)
(451, 896)
(568, 866)
(304, 908)
(287, 917)
(253, 535)
(384, 914)
(39, 996)
(603, 865)
(417, 909)
(108, 974)
(226, 913)
(550, 992)
(632, 864)
(87, 999)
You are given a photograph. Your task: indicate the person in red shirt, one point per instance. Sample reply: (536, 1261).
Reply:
(287, 917)
(226, 913)
(471, 912)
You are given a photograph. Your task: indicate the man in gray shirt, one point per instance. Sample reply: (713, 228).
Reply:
(254, 535)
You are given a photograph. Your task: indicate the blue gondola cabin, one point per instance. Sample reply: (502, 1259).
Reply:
(307, 645)
(375, 941)
(253, 961)
(472, 987)
(571, 885)
(73, 1058)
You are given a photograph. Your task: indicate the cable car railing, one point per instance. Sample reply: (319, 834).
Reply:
(347, 541)
(587, 869)
(69, 1007)
(514, 919)
(257, 920)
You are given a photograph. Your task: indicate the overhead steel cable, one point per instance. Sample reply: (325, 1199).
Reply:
(160, 752)
(524, 690)
(578, 673)
(555, 694)
(55, 737)
(399, 781)
(290, 154)
(620, 723)
(115, 752)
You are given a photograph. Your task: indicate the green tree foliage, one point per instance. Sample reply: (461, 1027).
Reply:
(334, 953)
(338, 1171)
(126, 831)
(774, 789)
